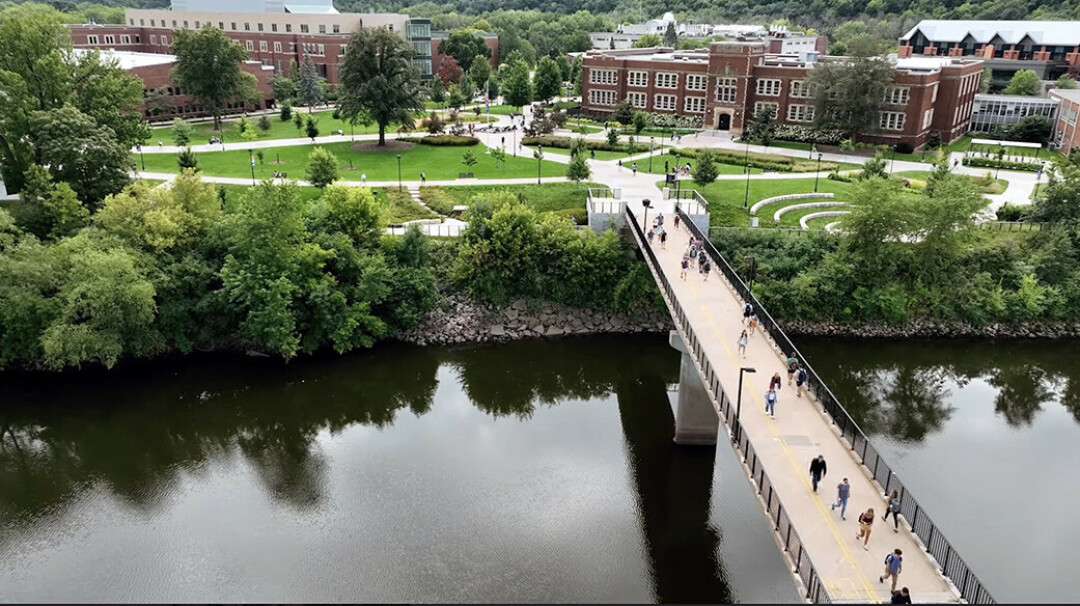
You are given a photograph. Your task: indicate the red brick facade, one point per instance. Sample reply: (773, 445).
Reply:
(720, 87)
(490, 40)
(158, 77)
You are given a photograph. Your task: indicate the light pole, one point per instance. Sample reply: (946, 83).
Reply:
(399, 172)
(817, 174)
(892, 160)
(652, 143)
(753, 270)
(514, 144)
(746, 196)
(735, 435)
(251, 156)
(645, 221)
(1038, 177)
(142, 159)
(539, 158)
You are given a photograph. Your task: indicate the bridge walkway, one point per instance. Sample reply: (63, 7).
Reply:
(780, 450)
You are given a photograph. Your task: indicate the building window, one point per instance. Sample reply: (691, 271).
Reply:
(110, 39)
(637, 79)
(800, 113)
(153, 39)
(91, 39)
(603, 76)
(602, 97)
(249, 45)
(153, 24)
(262, 46)
(761, 105)
(726, 88)
(303, 28)
(221, 25)
(664, 103)
(341, 50)
(667, 80)
(637, 99)
(125, 39)
(137, 40)
(696, 82)
(259, 26)
(768, 87)
(277, 47)
(185, 25)
(897, 95)
(322, 29)
(694, 105)
(273, 27)
(1068, 114)
(801, 89)
(164, 40)
(232, 26)
(247, 27)
(288, 28)
(292, 48)
(198, 25)
(337, 29)
(893, 120)
(142, 22)
(927, 118)
(174, 23)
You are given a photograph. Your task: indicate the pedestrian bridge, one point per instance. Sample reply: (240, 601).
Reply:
(828, 563)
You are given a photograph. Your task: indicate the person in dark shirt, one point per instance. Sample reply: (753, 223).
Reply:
(818, 469)
(901, 597)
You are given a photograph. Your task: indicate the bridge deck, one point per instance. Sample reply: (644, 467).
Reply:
(786, 445)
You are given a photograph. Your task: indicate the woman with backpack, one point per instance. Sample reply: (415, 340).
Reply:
(894, 509)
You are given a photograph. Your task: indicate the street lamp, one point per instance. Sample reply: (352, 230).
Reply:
(251, 156)
(514, 144)
(753, 270)
(735, 435)
(652, 142)
(138, 146)
(645, 221)
(817, 174)
(892, 160)
(746, 196)
(399, 172)
(539, 158)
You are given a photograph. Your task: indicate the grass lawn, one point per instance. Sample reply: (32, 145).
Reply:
(399, 206)
(505, 110)
(658, 165)
(549, 197)
(822, 222)
(201, 133)
(996, 186)
(600, 154)
(439, 162)
(960, 145)
(726, 198)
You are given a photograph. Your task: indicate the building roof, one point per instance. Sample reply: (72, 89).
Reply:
(1066, 93)
(987, 97)
(131, 59)
(1050, 33)
(307, 8)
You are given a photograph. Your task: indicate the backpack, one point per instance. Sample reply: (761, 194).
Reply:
(748, 308)
(801, 375)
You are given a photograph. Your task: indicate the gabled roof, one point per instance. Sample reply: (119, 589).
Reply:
(1050, 33)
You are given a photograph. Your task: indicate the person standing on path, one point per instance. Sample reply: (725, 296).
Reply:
(747, 311)
(792, 366)
(633, 167)
(866, 522)
(650, 237)
(675, 221)
(663, 240)
(894, 509)
(894, 564)
(775, 381)
(818, 469)
(685, 264)
(753, 323)
(770, 402)
(843, 491)
(423, 177)
(742, 344)
(363, 178)
(706, 267)
(901, 597)
(800, 380)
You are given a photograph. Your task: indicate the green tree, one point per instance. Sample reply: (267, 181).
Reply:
(576, 70)
(464, 46)
(498, 155)
(47, 209)
(308, 87)
(671, 38)
(81, 153)
(208, 68)
(648, 41)
(1065, 82)
(548, 80)
(284, 88)
(457, 97)
(612, 137)
(875, 168)
(186, 159)
(469, 159)
(624, 112)
(1024, 82)
(762, 128)
(1060, 199)
(479, 72)
(517, 85)
(437, 90)
(322, 168)
(578, 169)
(641, 120)
(264, 123)
(311, 127)
(985, 80)
(1032, 129)
(705, 169)
(247, 130)
(160, 219)
(182, 131)
(286, 112)
(379, 81)
(298, 122)
(849, 95)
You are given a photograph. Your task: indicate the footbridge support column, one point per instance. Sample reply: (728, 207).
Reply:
(696, 422)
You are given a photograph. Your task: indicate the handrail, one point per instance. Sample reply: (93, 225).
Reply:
(952, 565)
(784, 529)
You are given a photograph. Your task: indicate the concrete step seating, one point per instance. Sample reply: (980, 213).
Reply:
(811, 196)
(821, 215)
(808, 205)
(831, 226)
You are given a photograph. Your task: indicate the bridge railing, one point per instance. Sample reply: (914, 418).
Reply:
(952, 565)
(785, 530)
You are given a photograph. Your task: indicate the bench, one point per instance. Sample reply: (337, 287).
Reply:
(804, 206)
(828, 213)
(464, 175)
(811, 196)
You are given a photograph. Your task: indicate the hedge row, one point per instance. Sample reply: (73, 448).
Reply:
(774, 162)
(564, 143)
(443, 140)
(1006, 164)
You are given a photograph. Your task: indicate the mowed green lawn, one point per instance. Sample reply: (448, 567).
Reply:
(542, 198)
(278, 129)
(440, 163)
(726, 197)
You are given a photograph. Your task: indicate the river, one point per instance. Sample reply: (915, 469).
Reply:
(539, 471)
(986, 435)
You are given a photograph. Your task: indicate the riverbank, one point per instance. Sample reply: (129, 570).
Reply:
(456, 319)
(919, 329)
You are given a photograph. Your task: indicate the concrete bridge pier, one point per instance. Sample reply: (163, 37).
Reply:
(696, 422)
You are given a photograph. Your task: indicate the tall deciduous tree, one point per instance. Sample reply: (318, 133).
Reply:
(322, 168)
(578, 170)
(1024, 82)
(379, 81)
(479, 72)
(548, 79)
(517, 85)
(449, 71)
(849, 94)
(648, 41)
(464, 45)
(671, 39)
(309, 89)
(81, 152)
(208, 68)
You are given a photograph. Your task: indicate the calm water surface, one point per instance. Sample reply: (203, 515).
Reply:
(534, 471)
(987, 436)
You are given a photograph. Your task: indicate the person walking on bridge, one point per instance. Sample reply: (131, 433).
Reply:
(894, 509)
(775, 381)
(843, 491)
(770, 402)
(818, 468)
(866, 522)
(893, 566)
(800, 380)
(792, 366)
(742, 344)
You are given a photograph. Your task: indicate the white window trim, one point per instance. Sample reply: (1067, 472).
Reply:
(800, 112)
(664, 102)
(769, 87)
(760, 104)
(638, 100)
(727, 85)
(894, 121)
(701, 78)
(662, 79)
(641, 81)
(697, 107)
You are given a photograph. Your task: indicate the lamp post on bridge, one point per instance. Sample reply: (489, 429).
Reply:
(539, 159)
(753, 270)
(645, 221)
(735, 435)
(399, 172)
(138, 146)
(251, 156)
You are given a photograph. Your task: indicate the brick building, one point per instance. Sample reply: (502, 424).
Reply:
(491, 40)
(1066, 136)
(721, 87)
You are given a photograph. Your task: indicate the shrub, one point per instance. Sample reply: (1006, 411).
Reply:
(1006, 164)
(1009, 212)
(904, 148)
(443, 140)
(286, 112)
(579, 216)
(808, 134)
(438, 200)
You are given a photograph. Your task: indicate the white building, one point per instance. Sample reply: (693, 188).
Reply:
(308, 7)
